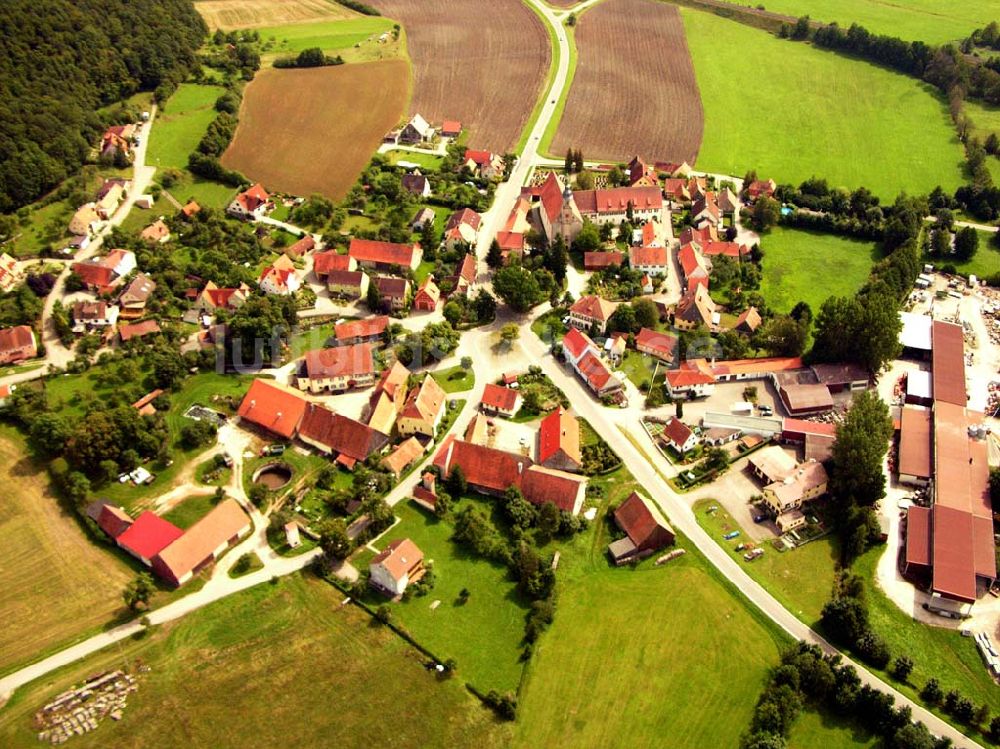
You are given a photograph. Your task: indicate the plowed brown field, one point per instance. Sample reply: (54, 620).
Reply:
(634, 91)
(245, 14)
(314, 129)
(479, 61)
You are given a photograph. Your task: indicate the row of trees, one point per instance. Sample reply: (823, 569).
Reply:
(805, 678)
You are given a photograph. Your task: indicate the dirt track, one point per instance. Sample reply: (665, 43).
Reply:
(482, 63)
(634, 91)
(313, 130)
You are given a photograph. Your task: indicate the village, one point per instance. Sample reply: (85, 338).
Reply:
(438, 394)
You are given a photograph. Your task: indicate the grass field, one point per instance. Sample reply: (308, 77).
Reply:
(273, 666)
(455, 379)
(801, 579)
(986, 261)
(638, 655)
(325, 123)
(809, 266)
(56, 583)
(484, 634)
(820, 730)
(932, 21)
(426, 161)
(332, 37)
(190, 511)
(816, 113)
(203, 192)
(181, 124)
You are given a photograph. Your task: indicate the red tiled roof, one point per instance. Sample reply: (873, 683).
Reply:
(301, 247)
(424, 401)
(464, 216)
(148, 535)
(467, 268)
(94, 273)
(253, 197)
(330, 260)
(680, 378)
(575, 343)
(16, 338)
(918, 535)
(598, 260)
(617, 199)
(499, 398)
(384, 253)
(510, 240)
(701, 236)
(638, 519)
(750, 317)
(451, 126)
(479, 157)
(138, 330)
(339, 434)
(729, 249)
(593, 307)
(690, 262)
(808, 427)
(948, 363)
(676, 432)
(199, 544)
(273, 407)
(540, 485)
(663, 345)
(369, 326)
(559, 430)
(399, 558)
(594, 371)
(647, 256)
(915, 443)
(113, 520)
(342, 361)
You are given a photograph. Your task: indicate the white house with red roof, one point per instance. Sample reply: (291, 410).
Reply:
(661, 345)
(273, 407)
(462, 228)
(761, 187)
(485, 164)
(654, 261)
(591, 310)
(396, 566)
(694, 272)
(679, 436)
(280, 278)
(559, 441)
(554, 208)
(641, 174)
(423, 409)
(336, 369)
(613, 205)
(9, 275)
(251, 204)
(428, 295)
(500, 400)
(583, 355)
(689, 383)
(212, 297)
(705, 210)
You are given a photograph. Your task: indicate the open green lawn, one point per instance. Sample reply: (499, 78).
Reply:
(181, 124)
(455, 379)
(942, 653)
(816, 113)
(932, 21)
(276, 665)
(330, 36)
(190, 511)
(814, 729)
(637, 655)
(809, 266)
(801, 579)
(985, 263)
(428, 162)
(484, 634)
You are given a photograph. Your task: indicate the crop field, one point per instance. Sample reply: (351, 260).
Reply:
(816, 113)
(636, 655)
(931, 21)
(795, 260)
(634, 91)
(324, 122)
(57, 584)
(181, 124)
(276, 665)
(245, 14)
(481, 63)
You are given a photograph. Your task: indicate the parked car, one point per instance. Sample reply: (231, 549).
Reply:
(731, 535)
(758, 518)
(754, 554)
(227, 460)
(277, 449)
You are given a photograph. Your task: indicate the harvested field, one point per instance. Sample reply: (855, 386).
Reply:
(246, 14)
(481, 63)
(57, 583)
(313, 130)
(635, 90)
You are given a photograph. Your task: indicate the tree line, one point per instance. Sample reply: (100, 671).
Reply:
(61, 60)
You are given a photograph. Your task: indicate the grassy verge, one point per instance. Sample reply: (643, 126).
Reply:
(553, 68)
(190, 511)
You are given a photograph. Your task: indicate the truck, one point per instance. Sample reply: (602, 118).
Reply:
(742, 408)
(753, 554)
